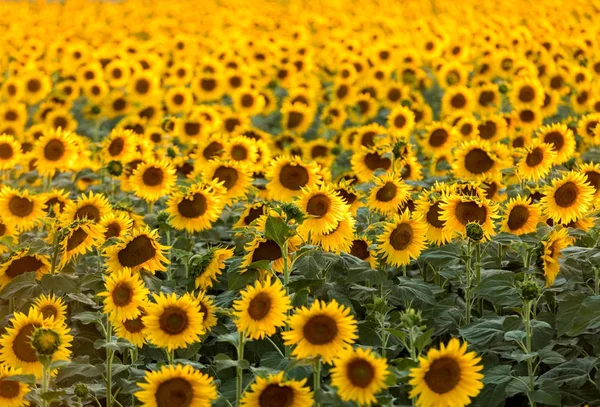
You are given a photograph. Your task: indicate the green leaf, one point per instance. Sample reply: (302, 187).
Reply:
(222, 362)
(423, 340)
(87, 317)
(550, 357)
(484, 333)
(23, 286)
(578, 314)
(277, 230)
(542, 334)
(548, 394)
(411, 290)
(515, 336)
(444, 256)
(573, 373)
(498, 287)
(60, 282)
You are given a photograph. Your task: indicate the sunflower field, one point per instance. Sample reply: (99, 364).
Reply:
(297, 203)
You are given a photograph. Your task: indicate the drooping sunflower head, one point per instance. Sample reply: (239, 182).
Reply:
(125, 295)
(288, 175)
(51, 306)
(275, 391)
(568, 198)
(139, 250)
(553, 244)
(21, 209)
(22, 262)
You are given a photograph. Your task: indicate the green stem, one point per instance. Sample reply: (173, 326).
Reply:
(478, 275)
(109, 360)
(317, 379)
(528, 335)
(240, 372)
(171, 356)
(286, 284)
(596, 280)
(468, 273)
(404, 270)
(150, 207)
(11, 305)
(45, 383)
(169, 272)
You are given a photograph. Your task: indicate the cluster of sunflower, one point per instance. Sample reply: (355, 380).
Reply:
(268, 189)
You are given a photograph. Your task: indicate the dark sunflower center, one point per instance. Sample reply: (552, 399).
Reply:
(175, 392)
(320, 330)
(34, 85)
(368, 139)
(23, 265)
(276, 396)
(192, 128)
(178, 99)
(293, 177)
(566, 195)
(134, 325)
(487, 130)
(360, 249)
(318, 205)
(486, 98)
(535, 157)
(208, 84)
(192, 207)
(443, 375)
(319, 151)
(112, 230)
(527, 116)
(247, 100)
(399, 121)
(490, 189)
(2, 229)
(173, 320)
(88, 211)
(438, 137)
(6, 151)
(142, 86)
(231, 123)
(9, 389)
(116, 146)
(227, 175)
(556, 139)
(518, 217)
(387, 192)
(433, 216)
(458, 101)
(253, 214)
(374, 161)
(466, 129)
(360, 373)
(518, 142)
(268, 250)
(214, 149)
(19, 206)
(594, 179)
(49, 311)
(394, 95)
(122, 295)
(294, 120)
(348, 197)
(259, 306)
(401, 237)
(76, 238)
(22, 344)
(467, 212)
(136, 252)
(526, 94)
(478, 161)
(153, 176)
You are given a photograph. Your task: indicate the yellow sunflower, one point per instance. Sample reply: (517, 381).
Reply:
(51, 306)
(21, 209)
(288, 175)
(125, 293)
(116, 224)
(179, 385)
(208, 309)
(91, 207)
(403, 239)
(337, 240)
(536, 162)
(323, 330)
(15, 345)
(368, 160)
(323, 207)
(132, 330)
(172, 322)
(56, 201)
(263, 249)
(197, 207)
(233, 176)
(446, 377)
(428, 209)
(153, 179)
(54, 151)
(562, 140)
(526, 91)
(568, 198)
(10, 152)
(22, 262)
(553, 244)
(119, 145)
(458, 211)
(241, 149)
(139, 250)
(476, 159)
(296, 117)
(81, 237)
(274, 390)
(360, 249)
(592, 175)
(12, 392)
(439, 137)
(262, 309)
(388, 194)
(212, 264)
(359, 375)
(250, 214)
(521, 216)
(401, 122)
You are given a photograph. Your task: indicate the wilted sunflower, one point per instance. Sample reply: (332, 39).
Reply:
(208, 309)
(521, 216)
(476, 159)
(288, 175)
(116, 224)
(446, 377)
(233, 176)
(388, 194)
(568, 198)
(51, 306)
(132, 330)
(359, 375)
(81, 236)
(172, 322)
(536, 162)
(54, 151)
(197, 207)
(92, 207)
(153, 179)
(562, 140)
(10, 152)
(177, 386)
(556, 241)
(23, 262)
(139, 250)
(12, 392)
(15, 345)
(262, 309)
(125, 293)
(20, 209)
(323, 207)
(324, 329)
(274, 390)
(403, 239)
(458, 211)
(211, 265)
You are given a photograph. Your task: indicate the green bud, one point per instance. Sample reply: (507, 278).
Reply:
(406, 103)
(95, 110)
(529, 290)
(81, 390)
(171, 152)
(115, 168)
(45, 341)
(336, 150)
(292, 211)
(474, 231)
(503, 89)
(410, 318)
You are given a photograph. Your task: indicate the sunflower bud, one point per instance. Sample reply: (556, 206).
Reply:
(292, 212)
(115, 168)
(410, 318)
(171, 152)
(336, 150)
(81, 390)
(474, 231)
(399, 149)
(406, 102)
(529, 290)
(95, 110)
(46, 342)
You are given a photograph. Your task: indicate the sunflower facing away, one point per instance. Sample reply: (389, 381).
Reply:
(124, 294)
(521, 216)
(262, 309)
(568, 198)
(138, 251)
(446, 377)
(172, 322)
(403, 239)
(359, 375)
(210, 266)
(12, 392)
(324, 329)
(20, 208)
(274, 390)
(22, 262)
(177, 386)
(553, 244)
(323, 207)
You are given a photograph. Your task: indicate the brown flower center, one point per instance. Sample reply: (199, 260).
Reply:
(293, 177)
(469, 211)
(192, 207)
(9, 389)
(348, 197)
(34, 85)
(374, 161)
(208, 84)
(399, 121)
(6, 151)
(175, 392)
(239, 153)
(443, 375)
(387, 192)
(438, 137)
(153, 176)
(566, 194)
(478, 161)
(77, 237)
(259, 306)
(526, 116)
(268, 250)
(294, 120)
(227, 175)
(173, 320)
(137, 252)
(593, 178)
(275, 395)
(22, 344)
(142, 86)
(49, 311)
(192, 128)
(360, 249)
(458, 101)
(214, 149)
(88, 211)
(112, 230)
(320, 330)
(54, 150)
(368, 139)
(23, 265)
(360, 373)
(556, 139)
(518, 217)
(401, 237)
(134, 325)
(253, 214)
(20, 206)
(526, 94)
(487, 130)
(116, 146)
(247, 100)
(433, 216)
(318, 205)
(486, 98)
(535, 157)
(122, 295)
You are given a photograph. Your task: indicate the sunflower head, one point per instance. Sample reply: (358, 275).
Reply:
(45, 341)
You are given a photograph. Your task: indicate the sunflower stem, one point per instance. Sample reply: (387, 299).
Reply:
(596, 280)
(45, 382)
(317, 379)
(468, 283)
(169, 272)
(11, 305)
(528, 335)
(240, 372)
(109, 360)
(404, 270)
(286, 284)
(150, 207)
(478, 275)
(171, 356)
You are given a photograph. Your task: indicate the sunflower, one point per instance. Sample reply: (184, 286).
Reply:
(124, 294)
(458, 211)
(274, 390)
(359, 375)
(439, 137)
(349, 195)
(428, 209)
(521, 216)
(232, 175)
(323, 207)
(196, 208)
(562, 140)
(153, 179)
(457, 99)
(10, 152)
(132, 330)
(81, 237)
(476, 159)
(262, 309)
(488, 98)
(568, 198)
(20, 209)
(15, 345)
(324, 329)
(296, 117)
(51, 306)
(139, 250)
(116, 224)
(556, 241)
(368, 160)
(211, 266)
(536, 161)
(91, 207)
(592, 174)
(56, 201)
(22, 262)
(403, 239)
(388, 194)
(207, 87)
(172, 322)
(359, 248)
(288, 175)
(179, 385)
(12, 392)
(370, 136)
(119, 145)
(241, 149)
(263, 249)
(492, 128)
(36, 86)
(178, 99)
(445, 377)
(208, 309)
(250, 214)
(54, 151)
(526, 92)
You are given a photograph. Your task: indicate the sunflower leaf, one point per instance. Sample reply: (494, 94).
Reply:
(277, 230)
